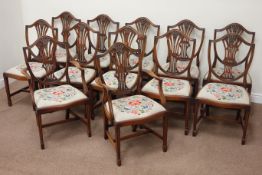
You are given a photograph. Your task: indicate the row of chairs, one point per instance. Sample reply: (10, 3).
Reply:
(119, 70)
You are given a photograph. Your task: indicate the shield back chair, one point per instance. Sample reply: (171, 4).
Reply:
(104, 24)
(121, 106)
(167, 79)
(32, 32)
(229, 51)
(131, 38)
(80, 60)
(191, 30)
(63, 23)
(146, 27)
(245, 34)
(52, 94)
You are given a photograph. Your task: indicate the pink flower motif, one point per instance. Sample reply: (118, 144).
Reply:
(169, 83)
(72, 71)
(58, 92)
(134, 102)
(226, 89)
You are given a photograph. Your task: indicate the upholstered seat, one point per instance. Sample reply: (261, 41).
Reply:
(134, 107)
(235, 73)
(224, 93)
(36, 67)
(57, 96)
(75, 74)
(112, 82)
(194, 71)
(171, 87)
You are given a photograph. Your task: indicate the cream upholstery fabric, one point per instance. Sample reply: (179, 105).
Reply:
(194, 71)
(112, 81)
(171, 87)
(75, 74)
(57, 96)
(134, 108)
(236, 72)
(224, 93)
(36, 68)
(61, 55)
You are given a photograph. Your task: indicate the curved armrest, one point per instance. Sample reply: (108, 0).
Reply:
(160, 85)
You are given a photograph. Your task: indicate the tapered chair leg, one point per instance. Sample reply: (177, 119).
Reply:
(67, 114)
(134, 128)
(105, 127)
(117, 135)
(165, 129)
(7, 89)
(88, 116)
(246, 118)
(187, 107)
(195, 118)
(40, 130)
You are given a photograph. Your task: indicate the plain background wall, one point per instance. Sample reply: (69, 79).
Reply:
(11, 35)
(210, 14)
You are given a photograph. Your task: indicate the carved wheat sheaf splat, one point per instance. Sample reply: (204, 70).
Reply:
(235, 28)
(82, 32)
(186, 27)
(103, 22)
(177, 46)
(142, 25)
(127, 35)
(231, 45)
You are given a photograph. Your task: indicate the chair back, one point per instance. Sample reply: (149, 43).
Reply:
(230, 52)
(180, 51)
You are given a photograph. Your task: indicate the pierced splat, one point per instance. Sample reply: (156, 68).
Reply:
(231, 45)
(178, 47)
(41, 27)
(103, 22)
(67, 20)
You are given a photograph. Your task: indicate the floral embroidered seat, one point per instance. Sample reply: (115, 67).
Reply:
(35, 67)
(194, 71)
(112, 82)
(224, 93)
(57, 96)
(134, 107)
(75, 74)
(171, 87)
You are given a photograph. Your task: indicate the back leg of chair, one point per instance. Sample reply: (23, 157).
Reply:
(187, 109)
(165, 128)
(246, 118)
(88, 113)
(7, 89)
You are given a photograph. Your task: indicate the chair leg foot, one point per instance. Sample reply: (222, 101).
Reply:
(194, 133)
(118, 162)
(42, 146)
(67, 114)
(186, 132)
(243, 142)
(134, 128)
(7, 89)
(164, 148)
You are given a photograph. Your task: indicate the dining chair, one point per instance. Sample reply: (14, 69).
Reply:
(146, 27)
(229, 51)
(36, 30)
(80, 59)
(247, 35)
(63, 22)
(167, 81)
(51, 94)
(123, 105)
(191, 30)
(104, 24)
